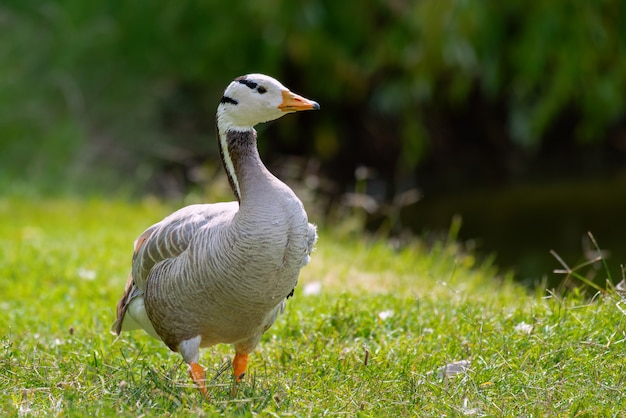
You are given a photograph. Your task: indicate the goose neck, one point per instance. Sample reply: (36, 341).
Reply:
(241, 160)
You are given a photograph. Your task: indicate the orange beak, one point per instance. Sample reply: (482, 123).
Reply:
(293, 103)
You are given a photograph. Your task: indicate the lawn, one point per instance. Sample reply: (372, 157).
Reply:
(369, 332)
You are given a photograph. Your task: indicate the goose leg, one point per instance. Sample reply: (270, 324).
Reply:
(239, 365)
(196, 372)
(190, 350)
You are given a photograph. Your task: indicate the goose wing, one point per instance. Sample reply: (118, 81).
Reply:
(162, 241)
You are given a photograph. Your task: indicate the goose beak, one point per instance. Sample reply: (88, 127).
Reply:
(293, 103)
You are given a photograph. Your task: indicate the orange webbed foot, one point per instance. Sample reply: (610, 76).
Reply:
(197, 374)
(240, 362)
(239, 366)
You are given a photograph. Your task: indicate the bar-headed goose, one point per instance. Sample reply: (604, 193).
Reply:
(221, 272)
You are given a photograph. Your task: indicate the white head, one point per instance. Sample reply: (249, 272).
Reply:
(248, 101)
(256, 98)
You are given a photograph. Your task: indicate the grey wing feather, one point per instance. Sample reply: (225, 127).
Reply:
(162, 241)
(170, 237)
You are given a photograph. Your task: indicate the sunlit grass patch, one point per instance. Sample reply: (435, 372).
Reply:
(370, 331)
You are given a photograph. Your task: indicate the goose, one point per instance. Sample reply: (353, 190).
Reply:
(222, 272)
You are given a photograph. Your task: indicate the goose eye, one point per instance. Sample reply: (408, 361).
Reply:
(261, 89)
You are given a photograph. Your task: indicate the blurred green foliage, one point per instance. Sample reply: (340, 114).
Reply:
(112, 87)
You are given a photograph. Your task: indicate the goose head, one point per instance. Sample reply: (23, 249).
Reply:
(256, 98)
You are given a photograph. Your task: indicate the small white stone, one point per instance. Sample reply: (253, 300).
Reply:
(385, 314)
(523, 328)
(86, 274)
(313, 288)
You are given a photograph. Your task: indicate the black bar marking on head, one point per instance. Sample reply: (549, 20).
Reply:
(251, 84)
(226, 99)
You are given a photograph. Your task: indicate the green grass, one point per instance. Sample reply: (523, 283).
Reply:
(370, 343)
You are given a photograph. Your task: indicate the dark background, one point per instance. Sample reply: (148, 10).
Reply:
(510, 114)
